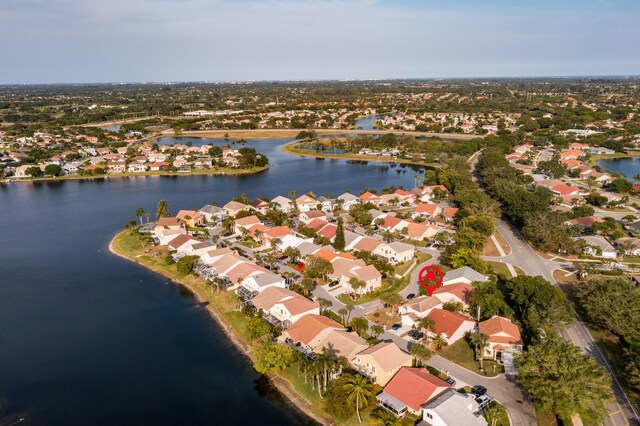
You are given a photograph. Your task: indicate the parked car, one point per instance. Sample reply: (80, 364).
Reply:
(451, 381)
(416, 335)
(411, 296)
(334, 283)
(396, 326)
(478, 390)
(483, 400)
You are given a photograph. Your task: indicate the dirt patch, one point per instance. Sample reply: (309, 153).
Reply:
(383, 318)
(490, 249)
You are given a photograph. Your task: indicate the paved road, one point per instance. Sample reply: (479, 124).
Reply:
(522, 255)
(506, 391)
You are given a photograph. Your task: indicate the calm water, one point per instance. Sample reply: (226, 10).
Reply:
(89, 338)
(628, 166)
(367, 122)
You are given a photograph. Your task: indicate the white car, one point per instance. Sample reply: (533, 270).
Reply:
(483, 401)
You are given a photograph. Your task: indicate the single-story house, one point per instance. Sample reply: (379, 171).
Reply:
(504, 336)
(409, 390)
(451, 326)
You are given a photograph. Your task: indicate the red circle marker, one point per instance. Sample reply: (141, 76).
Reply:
(430, 278)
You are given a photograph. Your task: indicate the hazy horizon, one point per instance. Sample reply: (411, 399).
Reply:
(155, 41)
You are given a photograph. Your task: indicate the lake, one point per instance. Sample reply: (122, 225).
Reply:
(627, 166)
(89, 338)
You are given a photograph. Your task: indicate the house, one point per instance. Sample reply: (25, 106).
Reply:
(367, 244)
(631, 246)
(282, 307)
(598, 246)
(449, 213)
(116, 167)
(463, 275)
(211, 256)
(396, 252)
(163, 236)
(258, 282)
(233, 208)
(245, 223)
(451, 326)
(420, 231)
(213, 213)
(197, 249)
(309, 215)
(191, 217)
(452, 408)
(585, 223)
(580, 146)
(306, 203)
(282, 203)
(409, 390)
(275, 233)
(369, 197)
(325, 203)
(181, 241)
(159, 166)
(393, 224)
(344, 270)
(563, 189)
(347, 200)
(380, 362)
(428, 211)
(571, 154)
(503, 336)
(259, 205)
(454, 293)
(404, 196)
(635, 227)
(168, 223)
(418, 308)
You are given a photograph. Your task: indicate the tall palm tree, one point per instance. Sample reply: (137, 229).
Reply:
(360, 325)
(147, 215)
(162, 209)
(326, 362)
(139, 213)
(478, 342)
(439, 343)
(360, 390)
(324, 303)
(425, 325)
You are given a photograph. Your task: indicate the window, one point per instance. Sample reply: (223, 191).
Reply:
(429, 415)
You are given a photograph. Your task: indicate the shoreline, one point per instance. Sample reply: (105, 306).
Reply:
(292, 397)
(207, 172)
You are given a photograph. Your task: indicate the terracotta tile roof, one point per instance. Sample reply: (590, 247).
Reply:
(367, 244)
(278, 231)
(462, 291)
(586, 221)
(430, 209)
(309, 326)
(328, 231)
(368, 196)
(415, 386)
(500, 330)
(317, 224)
(446, 322)
(449, 212)
(180, 240)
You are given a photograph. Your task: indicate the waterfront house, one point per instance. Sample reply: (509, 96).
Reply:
(259, 205)
(306, 203)
(197, 249)
(116, 167)
(181, 241)
(452, 408)
(213, 213)
(282, 307)
(396, 252)
(409, 390)
(369, 197)
(504, 337)
(381, 361)
(159, 166)
(256, 283)
(191, 217)
(463, 275)
(310, 330)
(347, 200)
(282, 203)
(233, 208)
(211, 256)
(451, 326)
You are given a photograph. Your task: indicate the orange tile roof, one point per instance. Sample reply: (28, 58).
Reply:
(309, 326)
(498, 325)
(446, 322)
(462, 291)
(415, 386)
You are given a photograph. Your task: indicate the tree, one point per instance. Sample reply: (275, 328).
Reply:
(345, 313)
(384, 417)
(292, 253)
(392, 300)
(564, 380)
(356, 284)
(494, 412)
(324, 304)
(610, 304)
(339, 242)
(317, 266)
(140, 213)
(360, 325)
(463, 256)
(478, 342)
(376, 330)
(52, 170)
(490, 299)
(421, 353)
(621, 185)
(539, 303)
(307, 285)
(439, 343)
(425, 324)
(270, 357)
(162, 210)
(186, 264)
(33, 171)
(359, 391)
(453, 306)
(258, 328)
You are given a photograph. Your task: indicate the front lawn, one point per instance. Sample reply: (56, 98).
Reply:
(463, 355)
(371, 296)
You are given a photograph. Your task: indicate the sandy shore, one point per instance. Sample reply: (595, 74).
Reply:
(285, 388)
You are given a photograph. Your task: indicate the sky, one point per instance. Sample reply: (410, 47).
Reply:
(89, 41)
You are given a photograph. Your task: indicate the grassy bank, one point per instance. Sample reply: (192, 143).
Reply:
(222, 171)
(224, 308)
(593, 159)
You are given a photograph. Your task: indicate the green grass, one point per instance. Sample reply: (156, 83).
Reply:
(463, 355)
(501, 418)
(249, 243)
(370, 297)
(401, 268)
(631, 259)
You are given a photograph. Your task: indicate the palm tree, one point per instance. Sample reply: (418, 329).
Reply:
(360, 325)
(376, 330)
(425, 325)
(439, 343)
(326, 362)
(392, 300)
(421, 353)
(360, 390)
(139, 213)
(324, 304)
(384, 417)
(162, 209)
(147, 215)
(356, 284)
(478, 342)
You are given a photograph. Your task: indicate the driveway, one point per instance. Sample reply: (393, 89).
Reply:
(507, 392)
